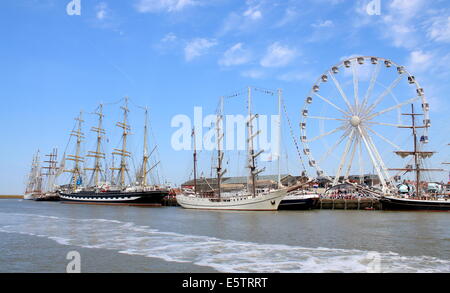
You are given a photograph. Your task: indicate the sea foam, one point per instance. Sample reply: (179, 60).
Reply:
(220, 254)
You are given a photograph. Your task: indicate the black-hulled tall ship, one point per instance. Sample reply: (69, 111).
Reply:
(117, 191)
(418, 197)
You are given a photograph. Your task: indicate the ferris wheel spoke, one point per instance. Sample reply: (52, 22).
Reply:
(379, 158)
(372, 158)
(355, 85)
(325, 118)
(393, 107)
(343, 157)
(361, 162)
(336, 144)
(327, 133)
(386, 124)
(352, 156)
(338, 86)
(385, 139)
(373, 78)
(385, 93)
(331, 103)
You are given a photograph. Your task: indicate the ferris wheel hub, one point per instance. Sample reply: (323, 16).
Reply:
(355, 121)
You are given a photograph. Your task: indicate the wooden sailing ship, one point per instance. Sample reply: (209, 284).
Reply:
(41, 180)
(34, 182)
(418, 198)
(250, 199)
(116, 191)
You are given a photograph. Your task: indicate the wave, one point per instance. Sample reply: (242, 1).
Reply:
(220, 254)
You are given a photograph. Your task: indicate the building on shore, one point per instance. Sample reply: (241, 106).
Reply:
(239, 183)
(368, 179)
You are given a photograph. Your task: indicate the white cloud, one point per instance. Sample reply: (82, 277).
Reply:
(297, 76)
(289, 16)
(236, 55)
(101, 11)
(399, 22)
(278, 55)
(439, 29)
(105, 18)
(145, 6)
(242, 21)
(253, 13)
(197, 47)
(169, 43)
(420, 61)
(326, 23)
(170, 37)
(253, 73)
(406, 8)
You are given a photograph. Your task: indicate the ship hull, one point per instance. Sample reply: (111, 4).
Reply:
(144, 198)
(28, 196)
(298, 203)
(48, 197)
(265, 202)
(391, 203)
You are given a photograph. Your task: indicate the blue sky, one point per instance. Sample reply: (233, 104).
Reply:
(172, 55)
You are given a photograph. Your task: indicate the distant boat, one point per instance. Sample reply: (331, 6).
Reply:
(248, 200)
(418, 199)
(101, 191)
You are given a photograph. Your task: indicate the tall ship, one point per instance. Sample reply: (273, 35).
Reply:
(250, 199)
(34, 181)
(116, 191)
(416, 195)
(41, 179)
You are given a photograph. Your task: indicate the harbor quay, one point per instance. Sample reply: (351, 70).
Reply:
(323, 203)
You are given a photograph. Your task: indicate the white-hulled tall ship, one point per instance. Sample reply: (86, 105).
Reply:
(250, 199)
(34, 181)
(116, 192)
(41, 185)
(417, 196)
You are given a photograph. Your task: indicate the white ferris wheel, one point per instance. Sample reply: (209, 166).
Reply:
(353, 117)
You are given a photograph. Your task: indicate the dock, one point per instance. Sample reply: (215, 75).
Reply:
(170, 201)
(322, 204)
(348, 204)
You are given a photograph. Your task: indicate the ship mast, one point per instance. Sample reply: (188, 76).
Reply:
(146, 155)
(29, 187)
(76, 171)
(416, 153)
(51, 169)
(35, 178)
(220, 135)
(446, 163)
(253, 172)
(416, 157)
(279, 139)
(123, 153)
(97, 154)
(195, 161)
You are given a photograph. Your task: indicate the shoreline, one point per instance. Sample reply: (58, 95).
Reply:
(11, 196)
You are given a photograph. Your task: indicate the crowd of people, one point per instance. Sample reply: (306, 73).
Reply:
(345, 194)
